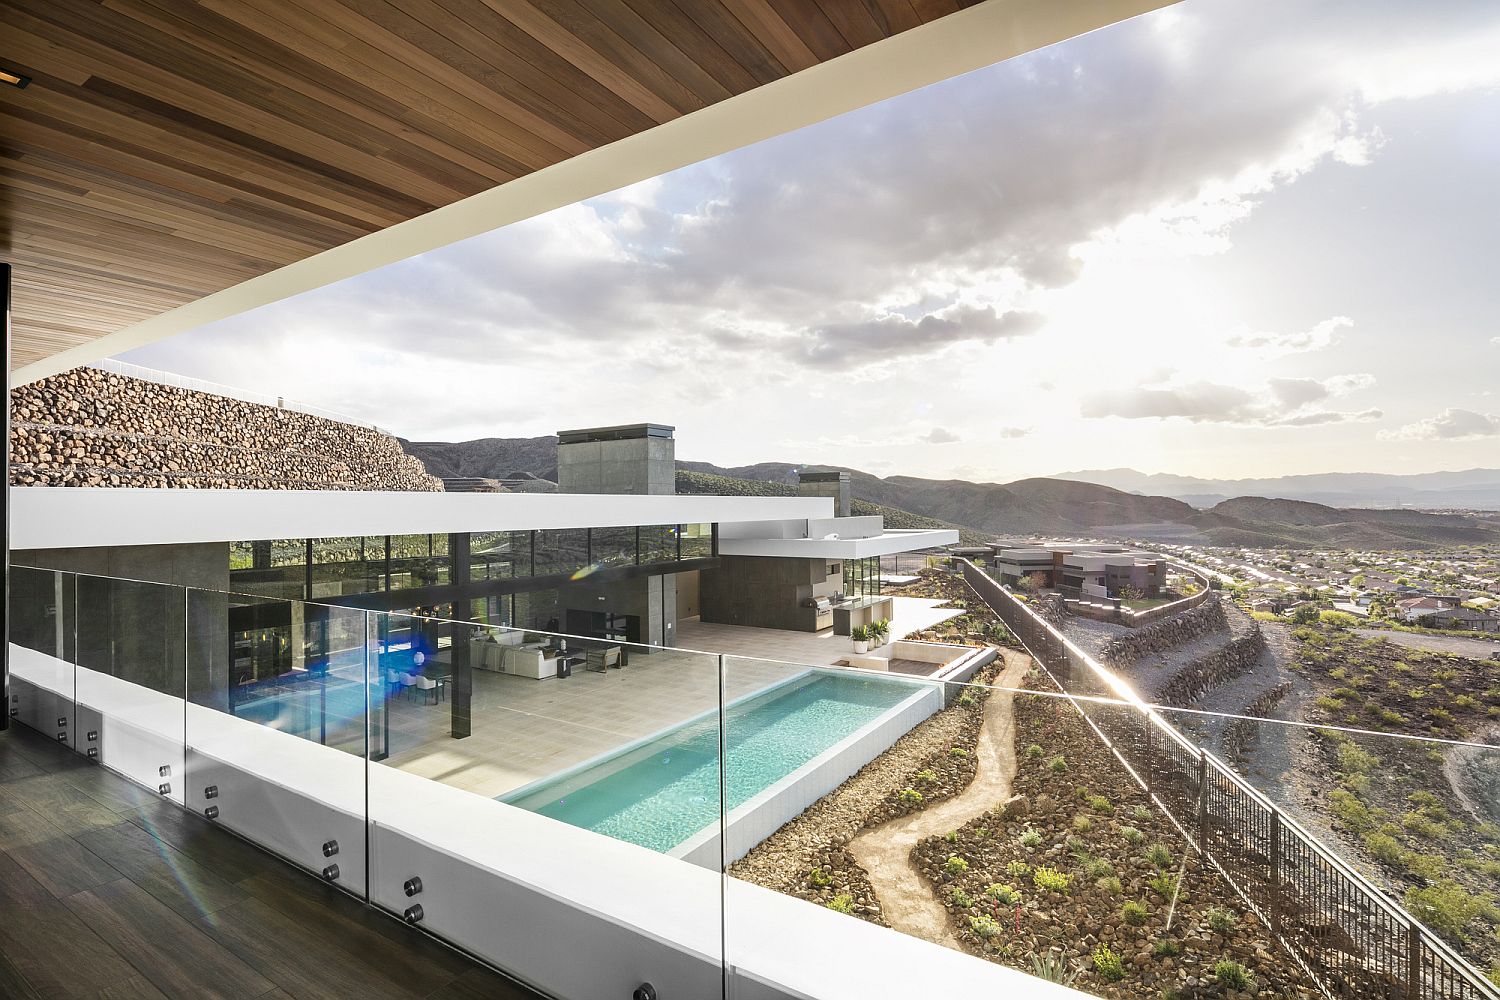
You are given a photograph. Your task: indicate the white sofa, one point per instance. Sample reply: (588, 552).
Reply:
(493, 651)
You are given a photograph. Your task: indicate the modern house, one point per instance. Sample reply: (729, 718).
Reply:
(473, 712)
(1088, 570)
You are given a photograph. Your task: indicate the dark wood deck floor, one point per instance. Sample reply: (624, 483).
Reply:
(108, 892)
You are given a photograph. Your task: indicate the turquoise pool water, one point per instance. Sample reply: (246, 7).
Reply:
(661, 793)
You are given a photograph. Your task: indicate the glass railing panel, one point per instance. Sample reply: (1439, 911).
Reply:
(1339, 783)
(1086, 840)
(43, 626)
(130, 678)
(276, 726)
(840, 780)
(550, 802)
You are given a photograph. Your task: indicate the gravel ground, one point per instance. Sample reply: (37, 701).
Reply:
(1276, 761)
(1478, 648)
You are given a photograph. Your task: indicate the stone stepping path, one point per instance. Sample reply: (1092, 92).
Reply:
(884, 852)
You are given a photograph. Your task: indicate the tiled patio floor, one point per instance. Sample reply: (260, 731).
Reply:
(908, 615)
(524, 730)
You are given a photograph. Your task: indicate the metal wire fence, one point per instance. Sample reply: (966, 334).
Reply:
(1346, 934)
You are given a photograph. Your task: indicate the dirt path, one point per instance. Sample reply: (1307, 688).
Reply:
(885, 851)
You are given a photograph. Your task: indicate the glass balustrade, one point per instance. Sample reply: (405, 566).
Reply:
(923, 819)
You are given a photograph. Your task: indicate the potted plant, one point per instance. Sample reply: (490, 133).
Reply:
(861, 636)
(880, 632)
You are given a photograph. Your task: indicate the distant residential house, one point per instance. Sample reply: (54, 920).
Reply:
(1463, 619)
(1415, 608)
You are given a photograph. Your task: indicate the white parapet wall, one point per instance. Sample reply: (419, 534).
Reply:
(579, 915)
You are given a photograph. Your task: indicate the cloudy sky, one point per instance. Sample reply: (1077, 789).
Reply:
(1227, 239)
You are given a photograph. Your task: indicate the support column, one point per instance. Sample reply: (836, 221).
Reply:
(461, 684)
(5, 626)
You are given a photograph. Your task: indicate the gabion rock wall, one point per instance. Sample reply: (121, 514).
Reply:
(88, 427)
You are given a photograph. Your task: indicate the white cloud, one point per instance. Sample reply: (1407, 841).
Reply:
(1281, 402)
(991, 236)
(1453, 424)
(1273, 344)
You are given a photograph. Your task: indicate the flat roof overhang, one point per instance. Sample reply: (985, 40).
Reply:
(53, 518)
(885, 544)
(118, 244)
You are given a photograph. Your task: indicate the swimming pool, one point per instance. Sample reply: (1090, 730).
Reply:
(665, 790)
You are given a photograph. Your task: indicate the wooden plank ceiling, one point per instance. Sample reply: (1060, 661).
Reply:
(167, 149)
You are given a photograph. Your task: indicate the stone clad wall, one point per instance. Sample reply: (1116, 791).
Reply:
(88, 427)
(1160, 638)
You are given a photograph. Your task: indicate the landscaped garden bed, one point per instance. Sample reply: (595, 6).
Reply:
(1080, 881)
(808, 858)
(1400, 806)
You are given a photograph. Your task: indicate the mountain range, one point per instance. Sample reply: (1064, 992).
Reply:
(1471, 489)
(1052, 506)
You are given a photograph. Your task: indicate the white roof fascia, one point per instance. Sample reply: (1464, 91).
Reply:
(63, 517)
(885, 544)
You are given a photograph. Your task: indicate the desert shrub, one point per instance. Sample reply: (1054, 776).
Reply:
(1132, 835)
(1338, 619)
(1109, 965)
(1355, 759)
(1420, 824)
(1098, 868)
(1428, 867)
(1051, 880)
(1350, 811)
(1220, 919)
(1384, 848)
(957, 752)
(1101, 804)
(910, 797)
(1034, 751)
(1004, 894)
(1133, 913)
(1082, 823)
(951, 836)
(819, 878)
(961, 898)
(1052, 968)
(1110, 884)
(1162, 883)
(1030, 838)
(984, 926)
(1078, 847)
(1232, 975)
(967, 699)
(842, 903)
(1165, 948)
(1328, 704)
(927, 776)
(1159, 856)
(955, 865)
(1445, 906)
(1017, 868)
(1058, 765)
(1141, 814)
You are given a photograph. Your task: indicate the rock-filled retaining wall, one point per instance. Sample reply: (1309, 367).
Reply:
(88, 427)
(1240, 732)
(1193, 681)
(1160, 638)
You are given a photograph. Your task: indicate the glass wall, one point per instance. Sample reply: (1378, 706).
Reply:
(862, 577)
(328, 569)
(510, 789)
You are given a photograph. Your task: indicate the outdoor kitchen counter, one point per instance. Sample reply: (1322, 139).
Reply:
(861, 611)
